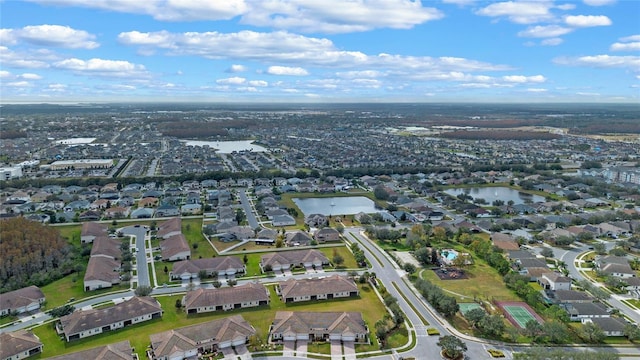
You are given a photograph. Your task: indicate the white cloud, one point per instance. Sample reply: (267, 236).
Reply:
(9, 58)
(543, 31)
(56, 87)
(520, 12)
(599, 2)
(359, 74)
(566, 6)
(29, 76)
(286, 48)
(4, 74)
(627, 43)
(286, 70)
(235, 68)
(551, 42)
(602, 61)
(524, 79)
(18, 84)
(330, 16)
(51, 35)
(95, 66)
(630, 46)
(537, 90)
(231, 81)
(258, 83)
(338, 16)
(587, 20)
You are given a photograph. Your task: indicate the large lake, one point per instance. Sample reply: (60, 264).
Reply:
(227, 147)
(496, 193)
(336, 205)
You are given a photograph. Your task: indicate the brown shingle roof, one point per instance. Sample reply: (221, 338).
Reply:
(225, 296)
(200, 335)
(93, 229)
(21, 297)
(89, 319)
(103, 245)
(294, 257)
(102, 268)
(118, 351)
(218, 263)
(170, 226)
(17, 343)
(317, 286)
(329, 322)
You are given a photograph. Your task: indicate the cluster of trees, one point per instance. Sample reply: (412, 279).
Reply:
(489, 325)
(492, 255)
(445, 304)
(32, 254)
(383, 234)
(499, 135)
(544, 353)
(358, 255)
(390, 322)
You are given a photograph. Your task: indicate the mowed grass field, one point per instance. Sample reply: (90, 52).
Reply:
(483, 283)
(261, 318)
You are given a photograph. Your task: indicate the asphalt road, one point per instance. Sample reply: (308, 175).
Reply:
(246, 206)
(141, 254)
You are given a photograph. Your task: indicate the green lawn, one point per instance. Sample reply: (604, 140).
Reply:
(60, 291)
(261, 318)
(483, 283)
(349, 260)
(192, 230)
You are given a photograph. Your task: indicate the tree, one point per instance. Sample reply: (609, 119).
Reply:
(143, 290)
(245, 259)
(423, 255)
(532, 329)
(216, 284)
(547, 252)
(202, 274)
(409, 268)
(631, 332)
(544, 353)
(592, 333)
(555, 332)
(340, 229)
(166, 269)
(338, 260)
(232, 282)
(178, 303)
(492, 325)
(279, 243)
(451, 346)
(474, 316)
(599, 248)
(380, 193)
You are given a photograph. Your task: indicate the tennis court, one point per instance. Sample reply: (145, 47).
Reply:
(466, 307)
(519, 313)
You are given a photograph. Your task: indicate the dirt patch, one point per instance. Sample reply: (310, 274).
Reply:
(450, 273)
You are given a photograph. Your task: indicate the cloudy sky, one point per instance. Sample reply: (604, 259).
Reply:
(320, 50)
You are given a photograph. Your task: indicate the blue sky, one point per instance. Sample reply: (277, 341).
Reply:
(320, 50)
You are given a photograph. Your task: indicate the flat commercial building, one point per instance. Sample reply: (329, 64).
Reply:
(81, 164)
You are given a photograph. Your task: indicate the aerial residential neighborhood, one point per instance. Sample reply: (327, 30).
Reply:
(496, 257)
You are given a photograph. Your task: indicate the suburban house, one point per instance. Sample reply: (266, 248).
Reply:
(189, 341)
(102, 272)
(284, 260)
(118, 351)
(283, 220)
(106, 247)
(228, 298)
(166, 210)
(610, 326)
(316, 220)
(326, 234)
(504, 241)
(22, 300)
(318, 326)
(580, 311)
(90, 230)
(615, 265)
(19, 345)
(175, 248)
(555, 281)
(331, 287)
(221, 265)
(568, 296)
(169, 228)
(298, 238)
(85, 323)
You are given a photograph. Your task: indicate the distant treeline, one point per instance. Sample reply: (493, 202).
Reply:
(201, 129)
(499, 135)
(32, 254)
(12, 134)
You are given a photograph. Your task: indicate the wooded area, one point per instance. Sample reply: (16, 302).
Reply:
(32, 254)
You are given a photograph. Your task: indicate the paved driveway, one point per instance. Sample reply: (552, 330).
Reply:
(228, 353)
(301, 350)
(336, 350)
(349, 350)
(243, 352)
(289, 347)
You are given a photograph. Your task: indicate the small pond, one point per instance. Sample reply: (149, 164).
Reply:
(489, 194)
(336, 205)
